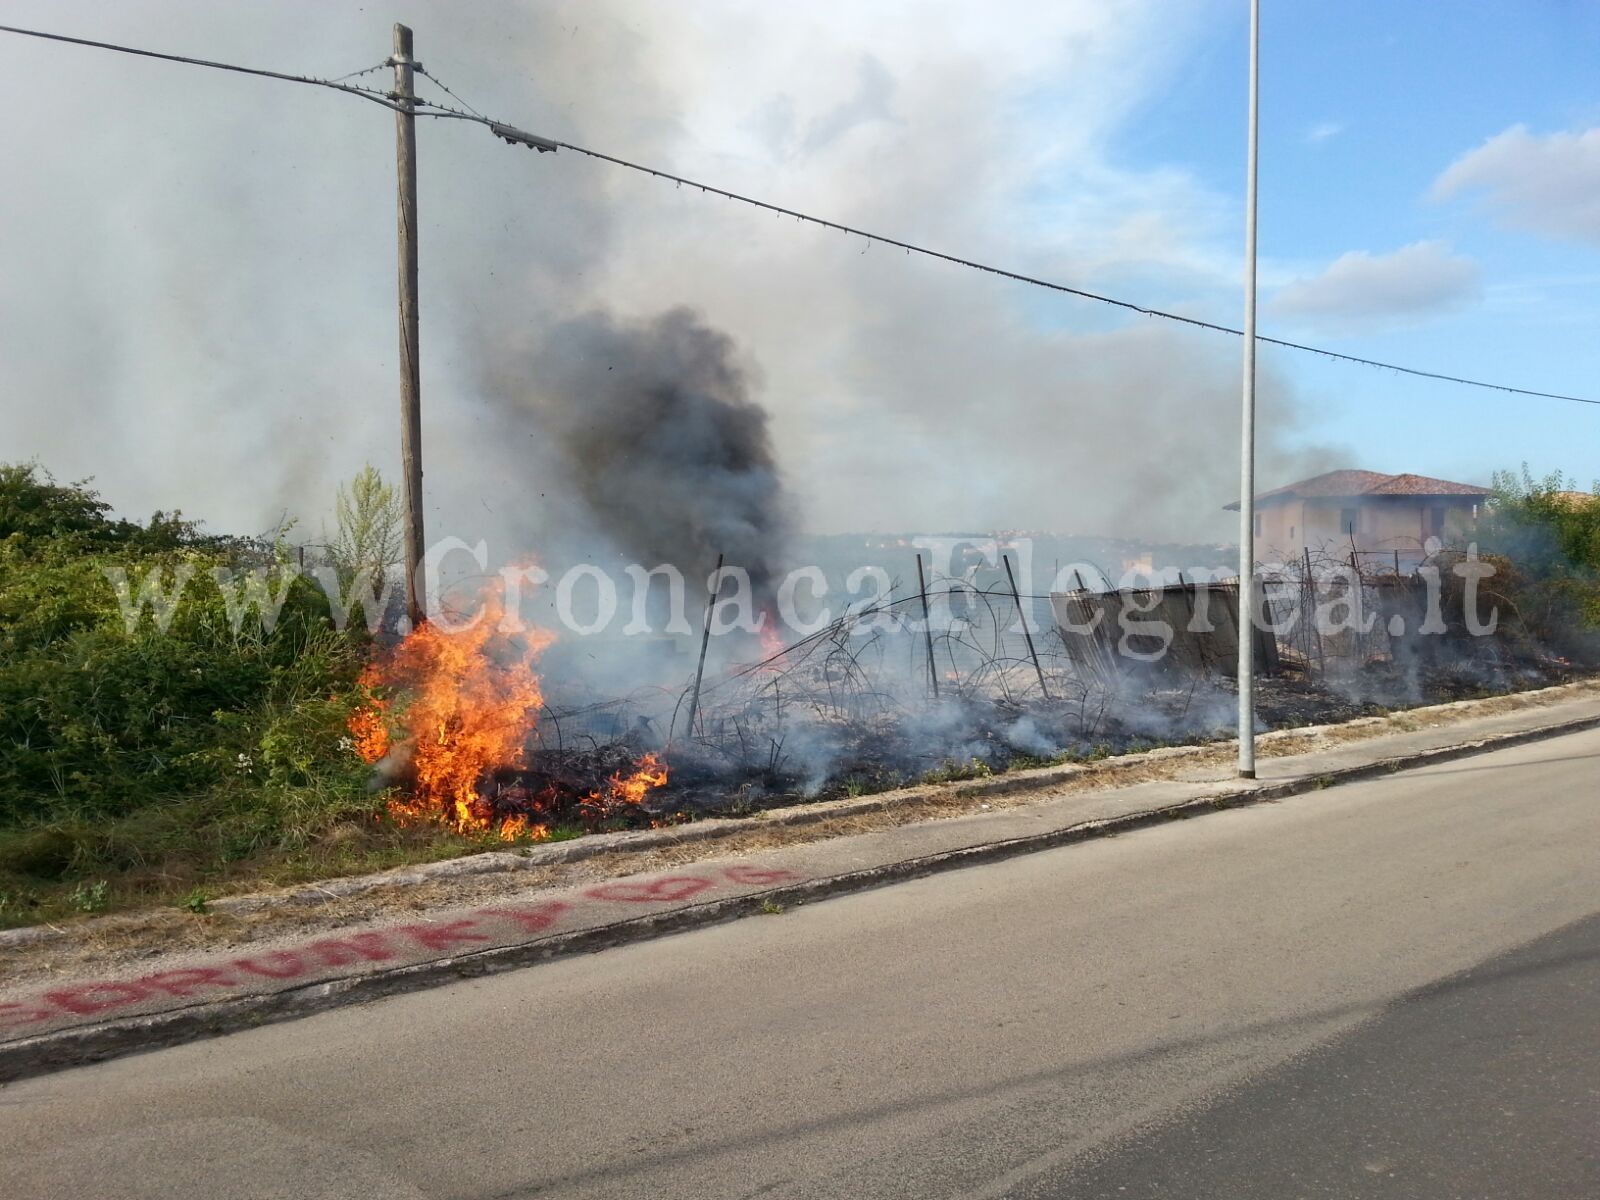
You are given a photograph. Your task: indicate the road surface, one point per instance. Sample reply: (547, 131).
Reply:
(1227, 1006)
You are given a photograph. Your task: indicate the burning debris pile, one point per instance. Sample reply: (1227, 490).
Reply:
(871, 700)
(450, 720)
(665, 457)
(460, 723)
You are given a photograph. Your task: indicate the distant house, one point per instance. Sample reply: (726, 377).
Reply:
(1374, 514)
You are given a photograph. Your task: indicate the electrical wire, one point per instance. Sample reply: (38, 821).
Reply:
(445, 88)
(427, 108)
(1130, 306)
(384, 65)
(376, 97)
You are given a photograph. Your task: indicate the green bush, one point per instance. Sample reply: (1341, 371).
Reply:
(123, 744)
(1544, 538)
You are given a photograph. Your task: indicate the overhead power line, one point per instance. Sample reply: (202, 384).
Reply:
(380, 66)
(1004, 273)
(372, 94)
(445, 88)
(510, 133)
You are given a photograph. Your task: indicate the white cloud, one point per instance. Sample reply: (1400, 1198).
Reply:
(1361, 291)
(1546, 183)
(1323, 130)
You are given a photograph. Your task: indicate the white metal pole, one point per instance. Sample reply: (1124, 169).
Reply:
(1247, 442)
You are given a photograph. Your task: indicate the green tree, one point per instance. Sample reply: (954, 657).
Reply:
(1546, 535)
(1548, 519)
(369, 514)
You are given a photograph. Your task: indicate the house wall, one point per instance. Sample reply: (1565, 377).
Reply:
(1281, 533)
(1384, 524)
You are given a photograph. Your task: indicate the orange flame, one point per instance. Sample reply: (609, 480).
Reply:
(519, 826)
(367, 727)
(630, 790)
(472, 700)
(771, 642)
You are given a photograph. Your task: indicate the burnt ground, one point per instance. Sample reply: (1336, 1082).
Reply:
(277, 909)
(966, 737)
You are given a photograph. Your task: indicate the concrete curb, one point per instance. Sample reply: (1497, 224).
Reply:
(91, 1043)
(533, 857)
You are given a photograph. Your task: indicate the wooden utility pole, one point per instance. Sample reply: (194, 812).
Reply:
(405, 146)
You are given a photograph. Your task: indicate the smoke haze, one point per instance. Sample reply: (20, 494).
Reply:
(197, 282)
(653, 423)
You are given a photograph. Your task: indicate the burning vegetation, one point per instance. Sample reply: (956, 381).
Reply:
(450, 719)
(232, 751)
(461, 723)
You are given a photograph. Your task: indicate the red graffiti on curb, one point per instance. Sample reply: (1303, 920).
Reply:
(12, 1013)
(532, 918)
(183, 983)
(652, 891)
(100, 997)
(447, 936)
(87, 999)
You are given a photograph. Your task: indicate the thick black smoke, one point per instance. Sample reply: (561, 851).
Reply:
(657, 432)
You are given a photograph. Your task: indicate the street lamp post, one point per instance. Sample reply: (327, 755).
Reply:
(1247, 442)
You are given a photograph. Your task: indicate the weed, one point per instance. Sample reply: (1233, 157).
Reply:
(771, 907)
(195, 902)
(951, 771)
(89, 897)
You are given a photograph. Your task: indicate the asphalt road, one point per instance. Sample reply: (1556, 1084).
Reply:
(1486, 1084)
(1224, 1007)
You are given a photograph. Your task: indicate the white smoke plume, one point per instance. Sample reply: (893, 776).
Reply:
(197, 280)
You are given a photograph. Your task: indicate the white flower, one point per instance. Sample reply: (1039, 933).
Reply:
(245, 763)
(347, 744)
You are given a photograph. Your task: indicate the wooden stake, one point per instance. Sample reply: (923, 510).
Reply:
(927, 627)
(1021, 616)
(1311, 587)
(405, 144)
(705, 642)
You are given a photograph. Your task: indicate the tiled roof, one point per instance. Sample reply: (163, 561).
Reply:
(1347, 484)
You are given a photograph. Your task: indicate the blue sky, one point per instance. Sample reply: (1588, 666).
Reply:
(1364, 107)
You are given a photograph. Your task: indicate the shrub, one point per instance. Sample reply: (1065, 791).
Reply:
(124, 744)
(1543, 538)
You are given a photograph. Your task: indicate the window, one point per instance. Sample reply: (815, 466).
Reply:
(1435, 518)
(1347, 520)
(1291, 533)
(1258, 524)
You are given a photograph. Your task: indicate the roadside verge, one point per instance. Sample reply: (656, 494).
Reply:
(48, 1023)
